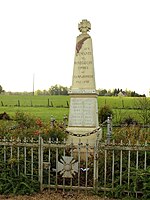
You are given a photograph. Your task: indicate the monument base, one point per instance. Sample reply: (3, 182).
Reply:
(83, 135)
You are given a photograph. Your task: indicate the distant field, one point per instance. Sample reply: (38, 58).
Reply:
(117, 102)
(28, 101)
(45, 106)
(61, 101)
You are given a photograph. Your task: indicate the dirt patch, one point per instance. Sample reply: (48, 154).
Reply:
(52, 195)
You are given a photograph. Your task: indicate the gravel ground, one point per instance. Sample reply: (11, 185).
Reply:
(59, 195)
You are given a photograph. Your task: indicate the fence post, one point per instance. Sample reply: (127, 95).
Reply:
(48, 103)
(65, 120)
(40, 151)
(2, 103)
(109, 129)
(52, 121)
(95, 184)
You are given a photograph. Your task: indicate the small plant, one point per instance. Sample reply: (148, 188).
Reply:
(104, 112)
(132, 133)
(24, 120)
(143, 105)
(25, 125)
(11, 183)
(129, 121)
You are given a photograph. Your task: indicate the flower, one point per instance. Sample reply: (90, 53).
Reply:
(39, 122)
(37, 132)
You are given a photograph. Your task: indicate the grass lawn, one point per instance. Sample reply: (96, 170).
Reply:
(45, 106)
(44, 113)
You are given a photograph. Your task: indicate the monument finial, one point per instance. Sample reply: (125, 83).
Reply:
(84, 26)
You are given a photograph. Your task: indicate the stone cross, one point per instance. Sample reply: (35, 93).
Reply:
(84, 26)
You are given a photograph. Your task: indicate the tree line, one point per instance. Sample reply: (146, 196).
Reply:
(63, 90)
(119, 92)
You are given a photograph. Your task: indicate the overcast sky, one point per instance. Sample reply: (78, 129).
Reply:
(38, 37)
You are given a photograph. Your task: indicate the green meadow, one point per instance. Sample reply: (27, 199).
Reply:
(57, 106)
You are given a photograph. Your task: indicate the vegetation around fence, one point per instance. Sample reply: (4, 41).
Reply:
(115, 170)
(118, 169)
(29, 159)
(124, 170)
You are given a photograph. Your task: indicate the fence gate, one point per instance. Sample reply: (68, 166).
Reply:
(67, 166)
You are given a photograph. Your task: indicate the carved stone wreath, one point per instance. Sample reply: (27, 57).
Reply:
(67, 166)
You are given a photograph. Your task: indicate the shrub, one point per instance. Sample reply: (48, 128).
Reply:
(132, 133)
(24, 120)
(25, 125)
(104, 113)
(11, 183)
(129, 121)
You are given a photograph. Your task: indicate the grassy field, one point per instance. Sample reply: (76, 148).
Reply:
(117, 102)
(28, 101)
(61, 101)
(44, 113)
(45, 106)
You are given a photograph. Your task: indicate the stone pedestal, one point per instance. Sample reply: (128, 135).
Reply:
(83, 115)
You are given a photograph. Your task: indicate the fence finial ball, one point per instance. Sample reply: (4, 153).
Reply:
(84, 26)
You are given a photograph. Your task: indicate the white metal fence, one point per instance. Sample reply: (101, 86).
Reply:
(54, 164)
(120, 164)
(103, 168)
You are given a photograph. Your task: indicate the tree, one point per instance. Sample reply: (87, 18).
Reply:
(1, 89)
(102, 92)
(143, 106)
(115, 92)
(38, 92)
(58, 90)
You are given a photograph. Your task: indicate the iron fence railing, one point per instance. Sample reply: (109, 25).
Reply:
(119, 164)
(104, 167)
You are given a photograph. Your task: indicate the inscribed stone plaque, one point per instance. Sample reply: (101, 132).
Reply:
(83, 112)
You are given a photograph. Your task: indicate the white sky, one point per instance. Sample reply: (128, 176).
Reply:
(39, 36)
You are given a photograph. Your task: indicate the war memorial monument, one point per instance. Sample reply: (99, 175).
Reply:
(83, 122)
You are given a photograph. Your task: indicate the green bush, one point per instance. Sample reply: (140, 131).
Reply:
(104, 112)
(25, 125)
(11, 183)
(24, 120)
(133, 133)
(129, 121)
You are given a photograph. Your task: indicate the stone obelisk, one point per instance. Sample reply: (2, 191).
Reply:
(83, 113)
